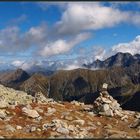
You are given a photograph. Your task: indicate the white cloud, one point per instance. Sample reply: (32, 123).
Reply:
(13, 40)
(132, 47)
(62, 46)
(92, 16)
(100, 54)
(17, 63)
(37, 34)
(71, 67)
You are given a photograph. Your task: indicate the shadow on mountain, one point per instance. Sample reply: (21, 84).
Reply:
(133, 103)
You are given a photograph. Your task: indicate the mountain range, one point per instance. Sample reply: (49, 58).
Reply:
(121, 72)
(119, 59)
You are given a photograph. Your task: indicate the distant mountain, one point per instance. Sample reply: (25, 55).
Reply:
(13, 78)
(121, 72)
(36, 83)
(119, 59)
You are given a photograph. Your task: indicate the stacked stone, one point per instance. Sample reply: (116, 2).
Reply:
(106, 105)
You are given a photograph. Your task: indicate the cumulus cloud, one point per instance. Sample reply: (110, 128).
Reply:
(61, 46)
(13, 40)
(132, 47)
(86, 16)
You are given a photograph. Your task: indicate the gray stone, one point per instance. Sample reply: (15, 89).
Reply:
(105, 107)
(108, 126)
(69, 118)
(30, 113)
(48, 125)
(99, 123)
(117, 136)
(135, 124)
(33, 128)
(124, 117)
(105, 100)
(18, 127)
(51, 110)
(2, 114)
(62, 130)
(80, 122)
(3, 104)
(10, 128)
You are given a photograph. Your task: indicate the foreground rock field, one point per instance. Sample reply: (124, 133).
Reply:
(22, 117)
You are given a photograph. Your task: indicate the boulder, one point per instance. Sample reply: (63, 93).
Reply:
(80, 122)
(62, 130)
(10, 128)
(30, 113)
(2, 114)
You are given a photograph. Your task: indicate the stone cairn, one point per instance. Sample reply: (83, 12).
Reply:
(106, 105)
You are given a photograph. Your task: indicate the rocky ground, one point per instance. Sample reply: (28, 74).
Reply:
(23, 116)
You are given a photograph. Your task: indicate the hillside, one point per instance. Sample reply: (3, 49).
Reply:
(51, 119)
(13, 78)
(84, 85)
(36, 83)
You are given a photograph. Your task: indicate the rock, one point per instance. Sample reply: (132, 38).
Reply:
(80, 122)
(38, 129)
(105, 107)
(135, 124)
(99, 123)
(62, 130)
(137, 115)
(30, 113)
(71, 128)
(2, 114)
(48, 125)
(39, 109)
(75, 103)
(51, 110)
(105, 100)
(108, 126)
(111, 131)
(115, 105)
(69, 118)
(33, 128)
(107, 113)
(3, 104)
(117, 136)
(91, 114)
(54, 134)
(124, 117)
(118, 113)
(65, 113)
(39, 118)
(10, 128)
(18, 127)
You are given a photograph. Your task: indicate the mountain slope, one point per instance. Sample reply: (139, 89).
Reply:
(36, 83)
(13, 78)
(82, 84)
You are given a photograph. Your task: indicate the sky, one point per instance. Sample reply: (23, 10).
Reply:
(65, 35)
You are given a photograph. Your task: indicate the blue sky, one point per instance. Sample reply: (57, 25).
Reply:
(70, 32)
